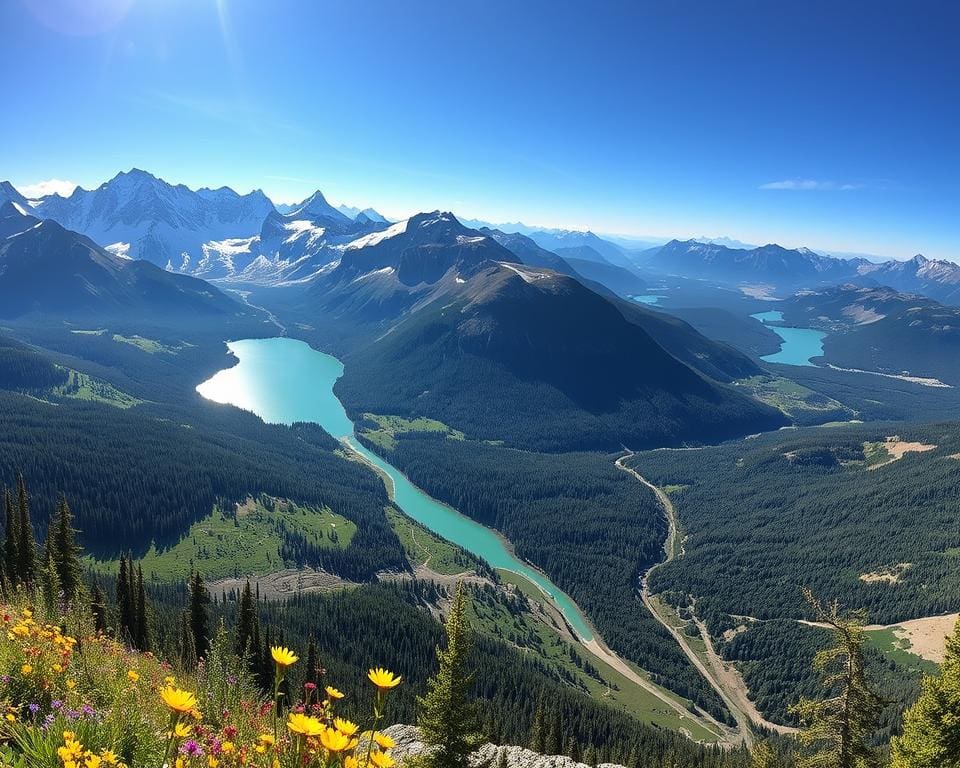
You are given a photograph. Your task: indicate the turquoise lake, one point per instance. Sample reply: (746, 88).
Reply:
(284, 380)
(647, 299)
(798, 345)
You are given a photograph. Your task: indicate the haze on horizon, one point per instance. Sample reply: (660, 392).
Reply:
(803, 124)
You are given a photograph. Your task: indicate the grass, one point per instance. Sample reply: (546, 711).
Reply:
(151, 346)
(795, 400)
(386, 428)
(875, 454)
(424, 548)
(80, 386)
(243, 542)
(566, 660)
(897, 649)
(674, 488)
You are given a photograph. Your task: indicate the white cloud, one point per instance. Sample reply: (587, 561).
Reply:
(48, 187)
(810, 185)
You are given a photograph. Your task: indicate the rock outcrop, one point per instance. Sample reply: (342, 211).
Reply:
(488, 755)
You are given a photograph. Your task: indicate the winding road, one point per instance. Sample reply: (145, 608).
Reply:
(724, 679)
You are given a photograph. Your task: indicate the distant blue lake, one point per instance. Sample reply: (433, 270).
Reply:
(284, 380)
(648, 299)
(799, 345)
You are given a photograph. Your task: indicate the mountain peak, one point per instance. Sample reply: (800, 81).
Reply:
(316, 207)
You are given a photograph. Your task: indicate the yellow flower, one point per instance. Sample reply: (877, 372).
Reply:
(383, 679)
(57, 668)
(345, 726)
(108, 756)
(71, 684)
(91, 761)
(382, 760)
(212, 761)
(133, 676)
(11, 718)
(266, 738)
(333, 693)
(384, 741)
(283, 657)
(178, 700)
(26, 669)
(227, 748)
(169, 680)
(351, 762)
(182, 730)
(304, 724)
(335, 741)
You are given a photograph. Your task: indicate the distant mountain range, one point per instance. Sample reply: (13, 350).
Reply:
(787, 270)
(219, 234)
(50, 272)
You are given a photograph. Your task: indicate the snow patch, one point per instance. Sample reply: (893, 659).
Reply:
(375, 238)
(365, 275)
(119, 249)
(527, 275)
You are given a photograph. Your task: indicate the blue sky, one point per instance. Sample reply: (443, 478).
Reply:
(832, 125)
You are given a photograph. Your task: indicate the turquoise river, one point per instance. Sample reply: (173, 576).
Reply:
(284, 380)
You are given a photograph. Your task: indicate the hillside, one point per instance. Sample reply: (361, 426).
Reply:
(52, 272)
(540, 361)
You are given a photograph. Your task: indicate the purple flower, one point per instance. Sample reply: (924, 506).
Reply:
(34, 708)
(56, 704)
(191, 749)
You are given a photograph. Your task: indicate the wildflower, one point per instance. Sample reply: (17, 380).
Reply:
(384, 741)
(182, 730)
(351, 762)
(26, 669)
(382, 760)
(227, 748)
(283, 657)
(191, 749)
(133, 676)
(304, 725)
(71, 684)
(11, 718)
(333, 693)
(178, 700)
(212, 762)
(345, 726)
(383, 679)
(335, 741)
(266, 739)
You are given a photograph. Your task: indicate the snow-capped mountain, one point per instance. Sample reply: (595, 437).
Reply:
(9, 194)
(935, 278)
(355, 213)
(51, 271)
(146, 218)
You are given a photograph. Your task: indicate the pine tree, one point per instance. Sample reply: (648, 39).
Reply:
(446, 713)
(590, 756)
(312, 669)
(931, 727)
(199, 615)
(246, 617)
(837, 728)
(186, 646)
(50, 586)
(127, 619)
(555, 735)
(11, 560)
(26, 544)
(572, 749)
(62, 544)
(98, 607)
(142, 614)
(538, 731)
(764, 756)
